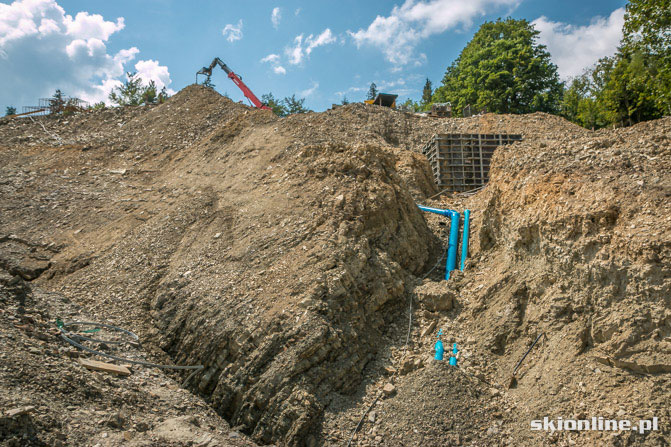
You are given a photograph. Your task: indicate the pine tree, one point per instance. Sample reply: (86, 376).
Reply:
(149, 94)
(57, 102)
(130, 93)
(275, 105)
(163, 95)
(372, 91)
(294, 105)
(427, 93)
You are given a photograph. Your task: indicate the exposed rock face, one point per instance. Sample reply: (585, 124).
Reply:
(272, 254)
(306, 279)
(583, 227)
(281, 254)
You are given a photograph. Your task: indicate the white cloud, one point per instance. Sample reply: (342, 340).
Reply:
(233, 32)
(309, 91)
(398, 34)
(150, 70)
(90, 26)
(295, 53)
(276, 16)
(43, 48)
(274, 60)
(325, 38)
(303, 47)
(574, 48)
(297, 11)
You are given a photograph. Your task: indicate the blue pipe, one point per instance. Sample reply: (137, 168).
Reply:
(446, 213)
(464, 239)
(453, 241)
(452, 244)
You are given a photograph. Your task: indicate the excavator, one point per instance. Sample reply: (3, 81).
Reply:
(207, 71)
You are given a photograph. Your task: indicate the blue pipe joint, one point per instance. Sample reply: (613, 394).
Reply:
(453, 241)
(464, 239)
(446, 213)
(453, 357)
(439, 350)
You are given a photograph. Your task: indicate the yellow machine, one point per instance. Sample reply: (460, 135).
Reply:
(383, 99)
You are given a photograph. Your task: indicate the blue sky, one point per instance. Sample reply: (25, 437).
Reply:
(318, 50)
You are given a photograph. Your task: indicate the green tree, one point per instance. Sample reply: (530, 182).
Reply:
(427, 94)
(130, 93)
(149, 93)
(344, 101)
(504, 70)
(134, 93)
(646, 52)
(410, 106)
(57, 102)
(163, 95)
(294, 105)
(582, 101)
(10, 110)
(629, 93)
(372, 91)
(276, 106)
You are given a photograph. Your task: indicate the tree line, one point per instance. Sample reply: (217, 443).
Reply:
(131, 93)
(503, 69)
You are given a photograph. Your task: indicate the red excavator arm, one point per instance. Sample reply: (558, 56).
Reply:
(207, 71)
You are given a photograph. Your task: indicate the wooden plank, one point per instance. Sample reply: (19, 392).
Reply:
(104, 367)
(24, 410)
(25, 113)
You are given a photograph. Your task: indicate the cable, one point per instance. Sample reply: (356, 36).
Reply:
(65, 335)
(405, 350)
(52, 135)
(106, 326)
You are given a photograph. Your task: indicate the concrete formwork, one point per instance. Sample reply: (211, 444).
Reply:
(460, 162)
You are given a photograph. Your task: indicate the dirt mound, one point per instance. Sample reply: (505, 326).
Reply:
(573, 239)
(48, 399)
(276, 264)
(282, 253)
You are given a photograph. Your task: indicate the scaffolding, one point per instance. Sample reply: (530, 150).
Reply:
(49, 106)
(460, 162)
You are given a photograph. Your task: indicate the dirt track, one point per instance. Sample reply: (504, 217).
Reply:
(281, 254)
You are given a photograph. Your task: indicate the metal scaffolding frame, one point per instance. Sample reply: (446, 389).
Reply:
(52, 106)
(460, 162)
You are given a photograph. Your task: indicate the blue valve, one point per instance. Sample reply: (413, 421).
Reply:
(439, 350)
(453, 357)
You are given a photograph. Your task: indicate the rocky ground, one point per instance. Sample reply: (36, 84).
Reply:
(284, 255)
(49, 399)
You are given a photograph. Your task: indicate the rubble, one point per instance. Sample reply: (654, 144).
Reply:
(283, 254)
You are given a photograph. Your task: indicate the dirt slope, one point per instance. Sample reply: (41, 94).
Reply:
(572, 238)
(281, 254)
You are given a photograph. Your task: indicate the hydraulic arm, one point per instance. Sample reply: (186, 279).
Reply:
(207, 71)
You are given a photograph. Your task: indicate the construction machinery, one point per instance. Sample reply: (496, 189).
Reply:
(207, 71)
(383, 99)
(441, 110)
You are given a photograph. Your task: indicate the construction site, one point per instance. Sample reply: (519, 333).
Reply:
(204, 273)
